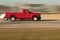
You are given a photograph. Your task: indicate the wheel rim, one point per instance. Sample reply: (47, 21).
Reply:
(12, 18)
(35, 18)
(5, 18)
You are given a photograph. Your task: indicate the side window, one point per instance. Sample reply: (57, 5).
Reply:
(27, 11)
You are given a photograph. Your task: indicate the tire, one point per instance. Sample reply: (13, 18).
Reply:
(35, 18)
(5, 19)
(12, 18)
(21, 19)
(39, 18)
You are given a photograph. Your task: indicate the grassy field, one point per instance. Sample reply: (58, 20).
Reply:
(30, 34)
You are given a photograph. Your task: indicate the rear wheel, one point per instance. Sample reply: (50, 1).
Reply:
(35, 19)
(12, 18)
(5, 18)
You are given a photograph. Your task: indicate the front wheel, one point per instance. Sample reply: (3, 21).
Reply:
(12, 18)
(39, 18)
(35, 18)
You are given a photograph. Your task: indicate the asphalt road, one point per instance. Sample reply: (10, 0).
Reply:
(30, 24)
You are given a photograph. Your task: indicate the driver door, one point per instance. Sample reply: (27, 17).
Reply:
(27, 15)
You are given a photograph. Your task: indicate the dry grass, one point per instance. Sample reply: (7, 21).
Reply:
(29, 34)
(55, 16)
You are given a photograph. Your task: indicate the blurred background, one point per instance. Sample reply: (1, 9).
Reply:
(44, 6)
(34, 7)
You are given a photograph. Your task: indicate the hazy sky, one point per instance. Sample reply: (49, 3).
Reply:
(17, 2)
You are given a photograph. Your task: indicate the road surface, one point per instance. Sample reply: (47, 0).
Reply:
(30, 24)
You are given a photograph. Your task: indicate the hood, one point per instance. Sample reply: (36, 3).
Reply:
(36, 12)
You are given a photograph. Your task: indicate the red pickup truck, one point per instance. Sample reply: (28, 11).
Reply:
(25, 14)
